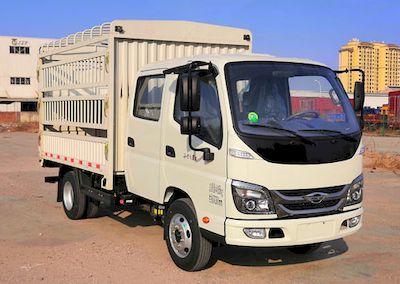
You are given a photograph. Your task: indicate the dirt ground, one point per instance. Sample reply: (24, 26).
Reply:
(39, 244)
(31, 127)
(385, 144)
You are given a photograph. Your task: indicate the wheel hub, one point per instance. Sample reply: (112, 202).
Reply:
(180, 235)
(68, 196)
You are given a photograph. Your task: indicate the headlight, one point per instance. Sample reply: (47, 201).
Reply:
(252, 199)
(354, 195)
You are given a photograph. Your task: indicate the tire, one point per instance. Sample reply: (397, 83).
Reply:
(74, 201)
(188, 248)
(92, 208)
(305, 249)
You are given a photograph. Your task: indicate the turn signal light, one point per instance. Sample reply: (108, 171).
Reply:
(206, 220)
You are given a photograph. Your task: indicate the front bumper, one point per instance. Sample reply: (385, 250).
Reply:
(296, 231)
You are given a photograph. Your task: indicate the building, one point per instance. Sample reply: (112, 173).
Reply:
(380, 61)
(18, 78)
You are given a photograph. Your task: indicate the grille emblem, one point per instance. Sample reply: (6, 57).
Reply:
(315, 197)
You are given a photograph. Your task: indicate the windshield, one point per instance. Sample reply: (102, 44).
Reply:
(288, 99)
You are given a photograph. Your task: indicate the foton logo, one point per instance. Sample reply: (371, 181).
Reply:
(315, 197)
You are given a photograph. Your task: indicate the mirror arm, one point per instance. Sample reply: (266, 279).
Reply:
(362, 74)
(207, 155)
(192, 65)
(353, 70)
(363, 82)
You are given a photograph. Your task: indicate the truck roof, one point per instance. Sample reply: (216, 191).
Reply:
(171, 31)
(222, 59)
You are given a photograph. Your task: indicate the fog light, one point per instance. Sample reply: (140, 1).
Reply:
(352, 222)
(255, 233)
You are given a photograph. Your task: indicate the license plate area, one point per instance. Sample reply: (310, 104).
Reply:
(314, 230)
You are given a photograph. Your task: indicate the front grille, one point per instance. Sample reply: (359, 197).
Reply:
(309, 202)
(305, 206)
(302, 192)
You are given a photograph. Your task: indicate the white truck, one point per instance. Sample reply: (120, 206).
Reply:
(222, 146)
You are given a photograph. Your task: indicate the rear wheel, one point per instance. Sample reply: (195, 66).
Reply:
(304, 249)
(74, 201)
(188, 248)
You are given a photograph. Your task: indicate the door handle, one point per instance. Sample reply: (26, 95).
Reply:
(131, 142)
(170, 151)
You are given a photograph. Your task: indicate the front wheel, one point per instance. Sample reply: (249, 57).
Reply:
(188, 248)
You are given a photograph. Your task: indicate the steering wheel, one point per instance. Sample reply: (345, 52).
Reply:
(308, 114)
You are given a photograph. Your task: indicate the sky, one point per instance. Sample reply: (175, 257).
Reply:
(313, 29)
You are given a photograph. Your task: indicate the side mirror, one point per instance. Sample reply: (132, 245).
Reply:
(189, 91)
(359, 96)
(190, 125)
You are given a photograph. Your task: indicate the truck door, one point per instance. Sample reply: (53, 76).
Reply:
(183, 168)
(142, 165)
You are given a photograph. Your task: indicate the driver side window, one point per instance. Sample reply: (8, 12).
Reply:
(209, 113)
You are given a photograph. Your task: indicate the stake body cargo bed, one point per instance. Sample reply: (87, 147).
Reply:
(87, 77)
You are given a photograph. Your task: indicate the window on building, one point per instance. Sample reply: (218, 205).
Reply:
(20, 81)
(19, 49)
(28, 106)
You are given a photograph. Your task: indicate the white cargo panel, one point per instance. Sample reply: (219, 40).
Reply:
(81, 152)
(87, 78)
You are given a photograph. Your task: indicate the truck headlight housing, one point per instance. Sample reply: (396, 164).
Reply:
(252, 199)
(354, 195)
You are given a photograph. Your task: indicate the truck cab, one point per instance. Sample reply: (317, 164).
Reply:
(268, 150)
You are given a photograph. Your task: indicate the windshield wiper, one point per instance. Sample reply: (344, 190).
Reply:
(346, 136)
(294, 133)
